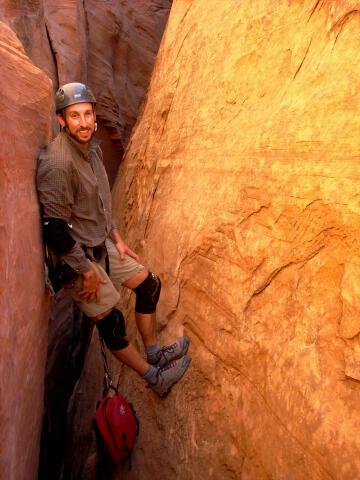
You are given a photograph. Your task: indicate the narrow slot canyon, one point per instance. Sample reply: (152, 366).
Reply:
(230, 139)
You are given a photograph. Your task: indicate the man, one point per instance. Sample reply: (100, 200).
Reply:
(76, 204)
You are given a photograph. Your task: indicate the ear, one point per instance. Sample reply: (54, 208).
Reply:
(61, 119)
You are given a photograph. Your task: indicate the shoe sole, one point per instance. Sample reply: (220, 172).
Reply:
(165, 392)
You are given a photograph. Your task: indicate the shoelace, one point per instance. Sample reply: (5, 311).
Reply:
(167, 367)
(160, 371)
(169, 348)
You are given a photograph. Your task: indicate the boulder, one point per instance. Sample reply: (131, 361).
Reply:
(239, 188)
(25, 105)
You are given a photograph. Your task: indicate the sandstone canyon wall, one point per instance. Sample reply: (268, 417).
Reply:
(109, 44)
(25, 106)
(112, 46)
(240, 188)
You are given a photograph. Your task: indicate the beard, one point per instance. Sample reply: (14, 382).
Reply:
(77, 136)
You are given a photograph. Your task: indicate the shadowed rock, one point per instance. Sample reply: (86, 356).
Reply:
(25, 105)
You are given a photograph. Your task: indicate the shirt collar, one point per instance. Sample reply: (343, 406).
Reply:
(79, 147)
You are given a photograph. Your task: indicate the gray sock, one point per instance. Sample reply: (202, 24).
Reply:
(151, 353)
(151, 375)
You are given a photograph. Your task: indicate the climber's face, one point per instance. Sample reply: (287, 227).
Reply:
(80, 120)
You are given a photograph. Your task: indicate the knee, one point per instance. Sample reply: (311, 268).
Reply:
(112, 329)
(147, 294)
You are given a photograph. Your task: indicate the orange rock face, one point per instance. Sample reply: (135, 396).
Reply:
(240, 188)
(25, 105)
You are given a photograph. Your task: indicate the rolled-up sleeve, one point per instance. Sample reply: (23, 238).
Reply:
(76, 259)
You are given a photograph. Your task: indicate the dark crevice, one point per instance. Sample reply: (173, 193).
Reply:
(53, 55)
(315, 7)
(87, 30)
(151, 201)
(301, 64)
(342, 21)
(69, 337)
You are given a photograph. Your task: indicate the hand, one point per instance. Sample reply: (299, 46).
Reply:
(90, 286)
(123, 248)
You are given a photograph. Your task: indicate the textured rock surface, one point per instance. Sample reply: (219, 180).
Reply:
(123, 41)
(26, 18)
(25, 104)
(240, 186)
(111, 45)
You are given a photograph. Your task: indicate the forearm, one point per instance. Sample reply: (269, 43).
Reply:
(121, 246)
(77, 260)
(115, 236)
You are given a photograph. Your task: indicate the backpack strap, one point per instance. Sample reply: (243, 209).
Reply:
(108, 382)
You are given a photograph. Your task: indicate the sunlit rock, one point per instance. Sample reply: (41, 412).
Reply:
(240, 188)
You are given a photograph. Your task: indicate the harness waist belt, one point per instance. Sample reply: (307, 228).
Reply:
(95, 254)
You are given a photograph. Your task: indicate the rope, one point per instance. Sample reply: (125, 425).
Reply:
(108, 378)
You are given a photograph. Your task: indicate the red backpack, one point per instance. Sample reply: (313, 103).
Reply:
(115, 420)
(115, 425)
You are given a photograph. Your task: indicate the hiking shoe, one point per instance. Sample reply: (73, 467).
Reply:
(171, 352)
(169, 375)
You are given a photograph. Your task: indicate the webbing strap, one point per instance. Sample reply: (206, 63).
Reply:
(108, 379)
(107, 376)
(107, 262)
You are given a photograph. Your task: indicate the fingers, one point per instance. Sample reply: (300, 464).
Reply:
(92, 296)
(121, 253)
(89, 296)
(90, 290)
(86, 293)
(97, 295)
(133, 255)
(122, 248)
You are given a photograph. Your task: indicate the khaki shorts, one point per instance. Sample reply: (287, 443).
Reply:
(120, 272)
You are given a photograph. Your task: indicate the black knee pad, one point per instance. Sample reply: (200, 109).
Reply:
(147, 294)
(57, 236)
(112, 329)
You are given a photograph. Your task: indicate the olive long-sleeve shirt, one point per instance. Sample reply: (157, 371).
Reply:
(73, 185)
